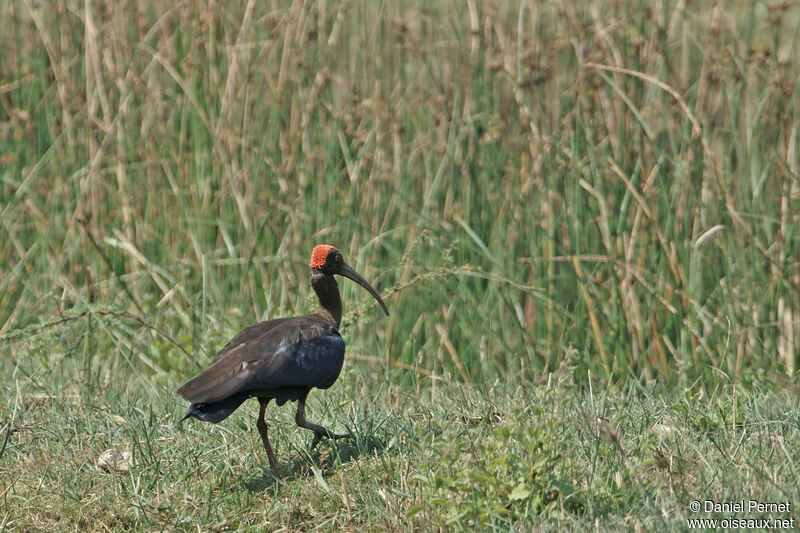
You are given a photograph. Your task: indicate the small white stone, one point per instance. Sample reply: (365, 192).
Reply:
(115, 460)
(665, 427)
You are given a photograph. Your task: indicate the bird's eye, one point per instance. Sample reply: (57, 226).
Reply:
(337, 258)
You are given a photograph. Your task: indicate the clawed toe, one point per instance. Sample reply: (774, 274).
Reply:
(336, 436)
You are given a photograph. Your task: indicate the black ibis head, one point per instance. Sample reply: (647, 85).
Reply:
(328, 260)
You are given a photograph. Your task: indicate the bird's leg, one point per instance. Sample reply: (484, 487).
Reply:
(319, 431)
(262, 429)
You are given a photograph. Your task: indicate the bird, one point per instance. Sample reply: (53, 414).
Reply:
(281, 359)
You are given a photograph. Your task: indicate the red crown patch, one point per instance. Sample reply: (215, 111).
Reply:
(320, 255)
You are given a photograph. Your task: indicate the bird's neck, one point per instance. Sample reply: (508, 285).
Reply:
(330, 303)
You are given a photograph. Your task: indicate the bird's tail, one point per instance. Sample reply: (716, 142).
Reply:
(215, 412)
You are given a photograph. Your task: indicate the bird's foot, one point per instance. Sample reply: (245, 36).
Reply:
(327, 433)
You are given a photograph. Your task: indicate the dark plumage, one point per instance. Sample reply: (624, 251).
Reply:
(281, 359)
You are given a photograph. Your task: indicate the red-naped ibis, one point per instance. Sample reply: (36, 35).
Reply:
(281, 359)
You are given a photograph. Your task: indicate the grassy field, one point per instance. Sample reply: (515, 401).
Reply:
(584, 218)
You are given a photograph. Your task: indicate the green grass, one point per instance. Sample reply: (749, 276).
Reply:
(457, 456)
(584, 218)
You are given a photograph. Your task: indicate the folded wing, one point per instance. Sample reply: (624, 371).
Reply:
(272, 361)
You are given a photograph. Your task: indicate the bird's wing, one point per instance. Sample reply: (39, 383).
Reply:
(249, 334)
(301, 353)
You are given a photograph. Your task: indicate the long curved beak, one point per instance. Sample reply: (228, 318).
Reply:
(348, 272)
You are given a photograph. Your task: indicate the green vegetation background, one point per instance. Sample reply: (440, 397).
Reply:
(584, 217)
